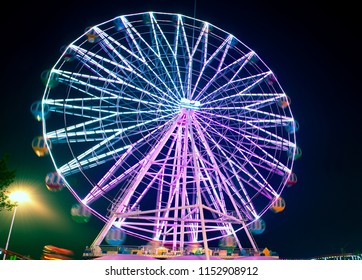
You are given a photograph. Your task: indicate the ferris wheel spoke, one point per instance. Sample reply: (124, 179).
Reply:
(280, 142)
(138, 196)
(224, 47)
(112, 94)
(75, 166)
(271, 138)
(255, 81)
(81, 134)
(111, 110)
(175, 51)
(133, 33)
(247, 107)
(83, 110)
(268, 143)
(283, 119)
(165, 50)
(98, 155)
(99, 189)
(96, 67)
(95, 64)
(270, 167)
(92, 127)
(163, 184)
(267, 162)
(262, 122)
(243, 110)
(188, 63)
(183, 36)
(153, 22)
(74, 80)
(242, 204)
(270, 163)
(257, 104)
(196, 44)
(108, 41)
(239, 63)
(201, 35)
(86, 103)
(68, 79)
(129, 29)
(169, 55)
(149, 157)
(119, 65)
(227, 186)
(112, 49)
(87, 159)
(175, 59)
(79, 127)
(259, 187)
(104, 185)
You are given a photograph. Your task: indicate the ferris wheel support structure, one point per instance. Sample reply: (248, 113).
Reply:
(122, 208)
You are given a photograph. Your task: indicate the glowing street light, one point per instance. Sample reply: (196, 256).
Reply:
(17, 197)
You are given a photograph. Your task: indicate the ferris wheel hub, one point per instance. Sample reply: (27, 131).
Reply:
(190, 104)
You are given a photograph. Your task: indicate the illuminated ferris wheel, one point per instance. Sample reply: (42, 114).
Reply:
(168, 128)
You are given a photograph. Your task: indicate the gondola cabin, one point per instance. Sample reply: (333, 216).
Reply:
(115, 236)
(38, 111)
(292, 180)
(271, 79)
(54, 182)
(257, 227)
(68, 54)
(284, 102)
(92, 36)
(80, 213)
(278, 205)
(40, 147)
(292, 127)
(295, 152)
(228, 243)
(118, 24)
(49, 78)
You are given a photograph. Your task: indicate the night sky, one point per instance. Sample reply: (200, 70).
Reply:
(312, 49)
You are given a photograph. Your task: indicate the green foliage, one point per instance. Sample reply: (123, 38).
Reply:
(6, 178)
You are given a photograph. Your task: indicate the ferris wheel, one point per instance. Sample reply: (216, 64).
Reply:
(169, 128)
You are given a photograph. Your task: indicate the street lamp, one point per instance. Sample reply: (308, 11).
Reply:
(17, 197)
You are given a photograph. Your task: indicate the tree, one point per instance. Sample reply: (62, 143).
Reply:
(6, 178)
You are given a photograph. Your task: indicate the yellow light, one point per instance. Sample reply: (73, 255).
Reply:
(19, 196)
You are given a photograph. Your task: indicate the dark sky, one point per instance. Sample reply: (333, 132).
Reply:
(311, 47)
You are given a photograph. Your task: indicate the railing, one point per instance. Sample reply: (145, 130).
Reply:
(165, 252)
(12, 255)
